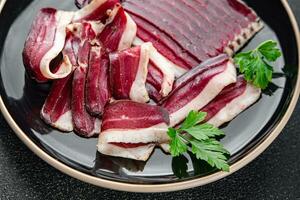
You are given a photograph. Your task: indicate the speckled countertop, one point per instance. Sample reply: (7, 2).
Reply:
(273, 175)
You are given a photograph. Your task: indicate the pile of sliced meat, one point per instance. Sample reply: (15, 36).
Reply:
(129, 71)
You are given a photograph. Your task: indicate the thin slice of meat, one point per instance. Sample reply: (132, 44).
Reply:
(97, 89)
(96, 10)
(198, 87)
(119, 31)
(161, 72)
(45, 42)
(131, 122)
(128, 73)
(56, 110)
(142, 152)
(84, 124)
(234, 99)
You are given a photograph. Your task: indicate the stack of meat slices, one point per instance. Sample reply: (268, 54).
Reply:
(129, 71)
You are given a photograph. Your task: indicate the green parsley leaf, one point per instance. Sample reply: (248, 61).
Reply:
(192, 119)
(269, 50)
(200, 140)
(254, 64)
(204, 131)
(212, 152)
(177, 143)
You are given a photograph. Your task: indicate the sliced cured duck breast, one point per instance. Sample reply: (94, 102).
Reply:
(97, 88)
(84, 124)
(128, 73)
(198, 87)
(137, 152)
(161, 72)
(45, 42)
(234, 99)
(119, 32)
(56, 110)
(193, 31)
(130, 122)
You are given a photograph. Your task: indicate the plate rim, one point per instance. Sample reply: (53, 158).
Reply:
(166, 187)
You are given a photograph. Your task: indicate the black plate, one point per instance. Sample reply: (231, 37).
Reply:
(23, 98)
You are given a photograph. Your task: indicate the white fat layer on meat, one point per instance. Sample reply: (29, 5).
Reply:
(76, 28)
(88, 9)
(64, 18)
(64, 122)
(97, 128)
(231, 110)
(235, 107)
(153, 134)
(240, 40)
(138, 91)
(128, 34)
(211, 90)
(161, 60)
(138, 153)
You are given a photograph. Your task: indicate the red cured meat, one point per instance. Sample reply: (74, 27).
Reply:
(119, 33)
(226, 96)
(97, 89)
(128, 71)
(198, 87)
(57, 107)
(199, 28)
(44, 42)
(84, 123)
(126, 114)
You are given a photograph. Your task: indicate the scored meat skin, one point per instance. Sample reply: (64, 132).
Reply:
(188, 32)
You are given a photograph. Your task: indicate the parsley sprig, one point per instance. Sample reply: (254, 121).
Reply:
(255, 64)
(200, 140)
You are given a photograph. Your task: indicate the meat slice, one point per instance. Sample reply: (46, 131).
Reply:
(234, 99)
(119, 32)
(45, 42)
(128, 72)
(84, 124)
(161, 72)
(97, 89)
(198, 87)
(56, 110)
(132, 125)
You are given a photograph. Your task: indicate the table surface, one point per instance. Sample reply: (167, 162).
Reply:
(273, 175)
